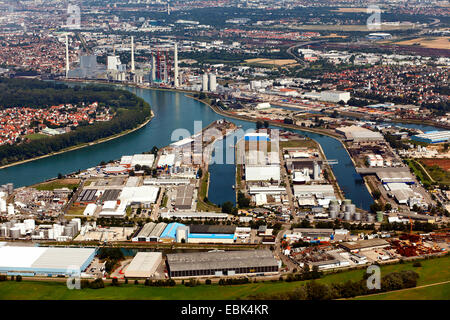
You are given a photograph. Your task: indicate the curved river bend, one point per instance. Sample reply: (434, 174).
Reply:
(173, 110)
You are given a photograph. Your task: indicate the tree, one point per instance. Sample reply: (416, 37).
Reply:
(387, 207)
(200, 172)
(266, 124)
(376, 194)
(227, 207)
(259, 124)
(60, 176)
(243, 201)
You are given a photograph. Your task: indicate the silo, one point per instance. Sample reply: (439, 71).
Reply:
(15, 233)
(350, 208)
(358, 216)
(370, 218)
(347, 216)
(334, 207)
(380, 216)
(345, 203)
(333, 214)
(11, 210)
(334, 202)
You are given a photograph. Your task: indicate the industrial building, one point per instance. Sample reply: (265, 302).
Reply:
(318, 190)
(397, 176)
(201, 233)
(137, 159)
(143, 265)
(359, 134)
(185, 196)
(433, 137)
(195, 215)
(221, 263)
(361, 245)
(150, 232)
(37, 261)
(312, 234)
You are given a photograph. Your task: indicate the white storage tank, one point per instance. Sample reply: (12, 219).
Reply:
(11, 210)
(347, 216)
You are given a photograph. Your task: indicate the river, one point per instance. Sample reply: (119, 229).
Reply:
(174, 110)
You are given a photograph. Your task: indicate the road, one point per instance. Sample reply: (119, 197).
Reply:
(295, 55)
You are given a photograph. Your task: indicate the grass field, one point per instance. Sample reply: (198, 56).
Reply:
(432, 271)
(433, 42)
(418, 171)
(273, 62)
(438, 292)
(203, 190)
(438, 169)
(308, 143)
(34, 136)
(56, 184)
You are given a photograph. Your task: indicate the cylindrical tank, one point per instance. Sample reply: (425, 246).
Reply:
(14, 233)
(333, 214)
(350, 208)
(332, 202)
(380, 216)
(358, 216)
(347, 216)
(334, 207)
(370, 218)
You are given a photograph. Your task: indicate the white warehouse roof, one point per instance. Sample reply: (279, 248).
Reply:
(143, 265)
(44, 260)
(262, 173)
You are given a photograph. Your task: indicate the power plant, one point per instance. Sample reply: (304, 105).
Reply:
(159, 72)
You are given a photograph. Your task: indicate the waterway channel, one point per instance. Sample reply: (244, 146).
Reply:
(174, 110)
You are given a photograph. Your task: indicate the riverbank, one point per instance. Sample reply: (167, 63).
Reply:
(395, 120)
(83, 145)
(288, 126)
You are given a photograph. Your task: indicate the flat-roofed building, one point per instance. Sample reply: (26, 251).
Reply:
(318, 190)
(194, 215)
(433, 137)
(87, 196)
(361, 245)
(185, 195)
(150, 232)
(221, 263)
(359, 134)
(203, 233)
(34, 261)
(143, 265)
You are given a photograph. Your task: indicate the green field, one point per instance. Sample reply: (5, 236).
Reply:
(34, 136)
(57, 184)
(432, 271)
(437, 292)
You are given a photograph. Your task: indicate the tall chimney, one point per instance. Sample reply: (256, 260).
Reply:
(67, 56)
(153, 68)
(132, 53)
(176, 81)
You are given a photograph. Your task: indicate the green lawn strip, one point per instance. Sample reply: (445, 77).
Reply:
(437, 292)
(432, 271)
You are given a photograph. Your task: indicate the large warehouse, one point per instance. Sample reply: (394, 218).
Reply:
(33, 261)
(433, 137)
(150, 232)
(204, 233)
(143, 265)
(221, 263)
